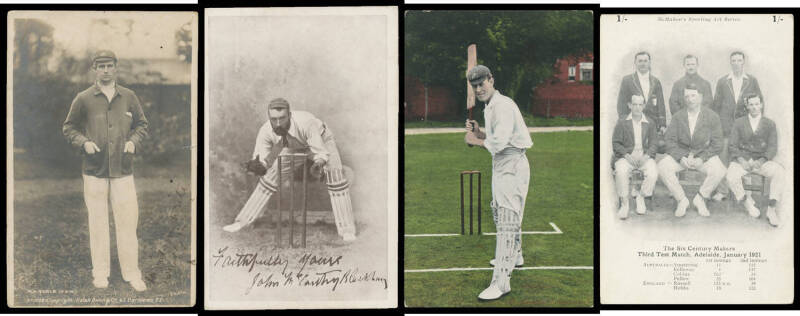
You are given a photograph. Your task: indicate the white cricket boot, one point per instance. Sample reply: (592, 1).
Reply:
(623, 208)
(772, 217)
(232, 228)
(750, 205)
(681, 209)
(641, 207)
(700, 203)
(491, 293)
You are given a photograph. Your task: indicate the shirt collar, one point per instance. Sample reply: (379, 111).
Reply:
(97, 90)
(644, 117)
(731, 76)
(643, 75)
(492, 98)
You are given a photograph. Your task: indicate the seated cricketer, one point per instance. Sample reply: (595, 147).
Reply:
(635, 144)
(289, 131)
(694, 141)
(753, 145)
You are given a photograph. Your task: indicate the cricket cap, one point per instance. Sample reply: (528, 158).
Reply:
(103, 55)
(278, 103)
(477, 74)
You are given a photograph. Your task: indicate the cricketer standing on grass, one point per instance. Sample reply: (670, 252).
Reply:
(506, 138)
(289, 131)
(107, 124)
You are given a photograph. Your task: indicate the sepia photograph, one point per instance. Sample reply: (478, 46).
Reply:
(301, 158)
(100, 158)
(517, 154)
(696, 159)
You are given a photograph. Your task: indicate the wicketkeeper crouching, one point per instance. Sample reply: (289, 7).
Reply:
(296, 132)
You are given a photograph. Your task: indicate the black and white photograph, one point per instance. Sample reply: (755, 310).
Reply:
(100, 158)
(696, 159)
(301, 158)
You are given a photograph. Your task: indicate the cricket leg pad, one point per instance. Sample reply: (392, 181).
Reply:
(339, 191)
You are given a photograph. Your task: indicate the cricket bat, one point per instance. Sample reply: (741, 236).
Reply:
(472, 60)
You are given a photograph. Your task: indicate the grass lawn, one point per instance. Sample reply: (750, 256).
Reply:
(530, 121)
(52, 265)
(561, 192)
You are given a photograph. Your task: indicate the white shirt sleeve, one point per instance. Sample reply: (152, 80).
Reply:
(264, 142)
(314, 131)
(502, 128)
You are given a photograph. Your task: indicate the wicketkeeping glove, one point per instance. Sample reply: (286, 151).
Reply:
(317, 169)
(255, 166)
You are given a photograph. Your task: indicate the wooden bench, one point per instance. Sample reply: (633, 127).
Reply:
(754, 182)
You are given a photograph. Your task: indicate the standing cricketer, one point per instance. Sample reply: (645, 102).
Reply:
(506, 139)
(289, 131)
(107, 124)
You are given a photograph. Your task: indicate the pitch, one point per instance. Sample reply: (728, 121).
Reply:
(557, 243)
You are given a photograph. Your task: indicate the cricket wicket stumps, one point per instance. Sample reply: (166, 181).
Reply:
(471, 173)
(304, 208)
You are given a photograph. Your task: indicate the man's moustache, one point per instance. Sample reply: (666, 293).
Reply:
(280, 131)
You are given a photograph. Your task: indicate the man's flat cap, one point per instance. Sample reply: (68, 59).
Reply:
(477, 74)
(104, 54)
(278, 103)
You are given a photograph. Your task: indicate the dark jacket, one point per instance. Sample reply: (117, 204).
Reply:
(706, 141)
(676, 100)
(623, 139)
(763, 143)
(654, 102)
(109, 125)
(726, 107)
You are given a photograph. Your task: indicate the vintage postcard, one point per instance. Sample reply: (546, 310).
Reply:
(301, 158)
(101, 114)
(696, 159)
(499, 161)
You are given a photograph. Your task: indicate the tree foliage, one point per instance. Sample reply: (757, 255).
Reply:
(47, 79)
(520, 47)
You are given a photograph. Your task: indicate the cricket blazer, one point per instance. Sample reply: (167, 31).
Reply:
(623, 139)
(109, 125)
(704, 144)
(724, 104)
(749, 144)
(654, 102)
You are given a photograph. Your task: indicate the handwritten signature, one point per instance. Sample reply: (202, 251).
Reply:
(262, 266)
(332, 278)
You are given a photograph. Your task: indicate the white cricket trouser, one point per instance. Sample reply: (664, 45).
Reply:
(510, 180)
(122, 193)
(769, 169)
(668, 170)
(338, 190)
(623, 169)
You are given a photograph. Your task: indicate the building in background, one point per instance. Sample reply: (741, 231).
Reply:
(570, 92)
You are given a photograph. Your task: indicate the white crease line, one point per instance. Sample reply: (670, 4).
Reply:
(553, 232)
(556, 227)
(490, 269)
(432, 235)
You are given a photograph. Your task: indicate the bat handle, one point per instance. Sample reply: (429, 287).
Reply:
(469, 117)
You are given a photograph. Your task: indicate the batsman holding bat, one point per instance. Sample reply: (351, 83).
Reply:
(295, 132)
(506, 138)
